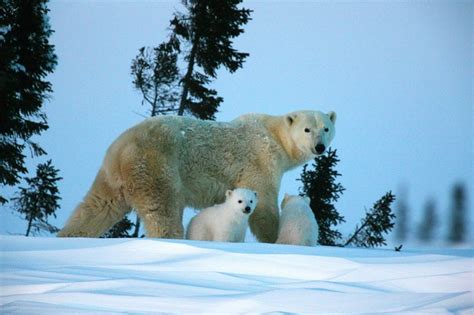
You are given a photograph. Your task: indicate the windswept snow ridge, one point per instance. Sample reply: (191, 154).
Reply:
(94, 276)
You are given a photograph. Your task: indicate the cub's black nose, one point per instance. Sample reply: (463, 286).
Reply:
(320, 148)
(247, 209)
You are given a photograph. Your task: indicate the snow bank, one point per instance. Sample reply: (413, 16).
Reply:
(57, 276)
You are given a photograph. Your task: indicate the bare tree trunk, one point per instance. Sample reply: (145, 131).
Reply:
(30, 223)
(189, 72)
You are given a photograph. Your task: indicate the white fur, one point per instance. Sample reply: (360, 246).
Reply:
(167, 163)
(226, 222)
(297, 222)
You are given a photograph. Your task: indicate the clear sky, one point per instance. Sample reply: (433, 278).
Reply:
(398, 74)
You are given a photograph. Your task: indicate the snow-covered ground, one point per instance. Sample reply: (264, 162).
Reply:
(63, 276)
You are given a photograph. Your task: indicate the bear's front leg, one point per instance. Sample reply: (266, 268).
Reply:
(158, 225)
(154, 193)
(264, 221)
(162, 217)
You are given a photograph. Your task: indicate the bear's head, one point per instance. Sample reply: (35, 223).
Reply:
(294, 199)
(241, 199)
(311, 131)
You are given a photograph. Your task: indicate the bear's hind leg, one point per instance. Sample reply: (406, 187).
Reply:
(101, 208)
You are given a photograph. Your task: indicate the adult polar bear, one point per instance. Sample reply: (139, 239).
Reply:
(166, 163)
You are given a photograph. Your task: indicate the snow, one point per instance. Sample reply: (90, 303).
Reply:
(107, 276)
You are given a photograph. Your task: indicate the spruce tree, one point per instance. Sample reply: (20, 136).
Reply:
(457, 229)
(26, 58)
(207, 28)
(428, 223)
(319, 184)
(155, 74)
(40, 199)
(378, 221)
(202, 37)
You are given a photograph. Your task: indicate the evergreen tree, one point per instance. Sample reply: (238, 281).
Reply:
(208, 29)
(428, 223)
(155, 74)
(26, 58)
(377, 221)
(321, 187)
(122, 229)
(40, 199)
(401, 227)
(457, 229)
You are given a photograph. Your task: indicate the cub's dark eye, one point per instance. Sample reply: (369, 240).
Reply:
(326, 129)
(251, 201)
(240, 201)
(307, 130)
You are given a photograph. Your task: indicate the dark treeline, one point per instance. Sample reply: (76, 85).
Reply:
(434, 220)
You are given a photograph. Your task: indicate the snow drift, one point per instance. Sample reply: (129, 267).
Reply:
(57, 276)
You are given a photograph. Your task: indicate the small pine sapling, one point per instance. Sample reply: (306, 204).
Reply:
(40, 199)
(321, 187)
(377, 222)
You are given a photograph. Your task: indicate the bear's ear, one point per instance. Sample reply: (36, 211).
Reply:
(332, 116)
(228, 193)
(290, 118)
(256, 195)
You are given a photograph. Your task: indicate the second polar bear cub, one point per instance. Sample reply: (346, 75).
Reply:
(225, 222)
(298, 225)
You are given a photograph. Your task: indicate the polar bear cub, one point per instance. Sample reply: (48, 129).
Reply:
(297, 222)
(226, 222)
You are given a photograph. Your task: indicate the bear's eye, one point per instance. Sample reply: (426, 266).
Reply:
(240, 201)
(251, 201)
(326, 129)
(307, 130)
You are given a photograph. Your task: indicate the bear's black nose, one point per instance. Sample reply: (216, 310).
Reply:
(247, 209)
(320, 148)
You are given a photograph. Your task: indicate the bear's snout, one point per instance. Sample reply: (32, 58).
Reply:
(320, 148)
(247, 209)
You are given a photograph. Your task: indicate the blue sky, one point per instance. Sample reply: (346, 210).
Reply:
(398, 74)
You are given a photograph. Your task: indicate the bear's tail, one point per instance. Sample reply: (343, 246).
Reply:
(102, 207)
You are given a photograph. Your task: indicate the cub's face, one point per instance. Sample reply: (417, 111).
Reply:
(311, 131)
(242, 200)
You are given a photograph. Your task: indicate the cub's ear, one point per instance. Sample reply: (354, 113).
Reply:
(332, 116)
(228, 193)
(290, 118)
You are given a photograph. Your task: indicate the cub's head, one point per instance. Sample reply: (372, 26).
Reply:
(288, 199)
(311, 131)
(241, 199)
